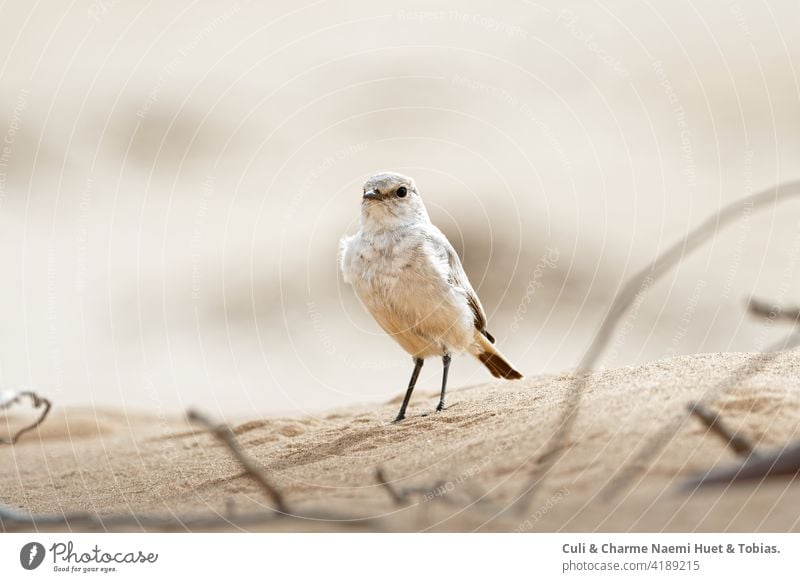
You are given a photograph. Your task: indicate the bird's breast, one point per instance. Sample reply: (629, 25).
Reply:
(382, 260)
(404, 285)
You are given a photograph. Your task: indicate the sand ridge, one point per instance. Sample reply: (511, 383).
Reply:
(480, 452)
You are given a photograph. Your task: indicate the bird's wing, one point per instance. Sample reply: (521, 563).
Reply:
(458, 278)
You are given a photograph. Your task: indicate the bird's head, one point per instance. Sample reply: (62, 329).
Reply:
(391, 200)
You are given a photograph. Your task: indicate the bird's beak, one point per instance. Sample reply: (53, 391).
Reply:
(371, 195)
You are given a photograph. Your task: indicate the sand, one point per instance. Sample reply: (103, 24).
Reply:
(462, 469)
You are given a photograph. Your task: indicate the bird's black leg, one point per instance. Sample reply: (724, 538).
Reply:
(446, 363)
(414, 375)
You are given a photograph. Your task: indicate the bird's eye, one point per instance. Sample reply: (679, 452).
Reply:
(401, 192)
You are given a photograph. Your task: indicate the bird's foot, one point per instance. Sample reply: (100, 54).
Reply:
(441, 407)
(399, 419)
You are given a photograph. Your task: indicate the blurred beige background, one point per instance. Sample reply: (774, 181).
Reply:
(174, 179)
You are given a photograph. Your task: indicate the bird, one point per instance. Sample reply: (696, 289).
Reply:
(410, 279)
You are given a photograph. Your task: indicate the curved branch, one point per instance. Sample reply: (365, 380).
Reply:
(12, 398)
(636, 286)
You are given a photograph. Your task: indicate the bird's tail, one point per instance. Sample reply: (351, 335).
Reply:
(493, 359)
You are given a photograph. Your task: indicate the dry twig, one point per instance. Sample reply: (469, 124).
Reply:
(224, 434)
(403, 496)
(396, 496)
(740, 445)
(784, 462)
(12, 519)
(773, 312)
(631, 291)
(653, 447)
(9, 398)
(15, 520)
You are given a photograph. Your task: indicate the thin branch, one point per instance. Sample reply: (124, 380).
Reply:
(784, 462)
(740, 445)
(8, 399)
(226, 436)
(774, 312)
(403, 496)
(635, 287)
(398, 499)
(12, 519)
(654, 446)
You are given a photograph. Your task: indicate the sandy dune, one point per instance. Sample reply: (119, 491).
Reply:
(462, 468)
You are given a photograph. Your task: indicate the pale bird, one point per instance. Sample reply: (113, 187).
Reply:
(410, 279)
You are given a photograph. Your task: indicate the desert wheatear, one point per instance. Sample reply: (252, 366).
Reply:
(410, 279)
